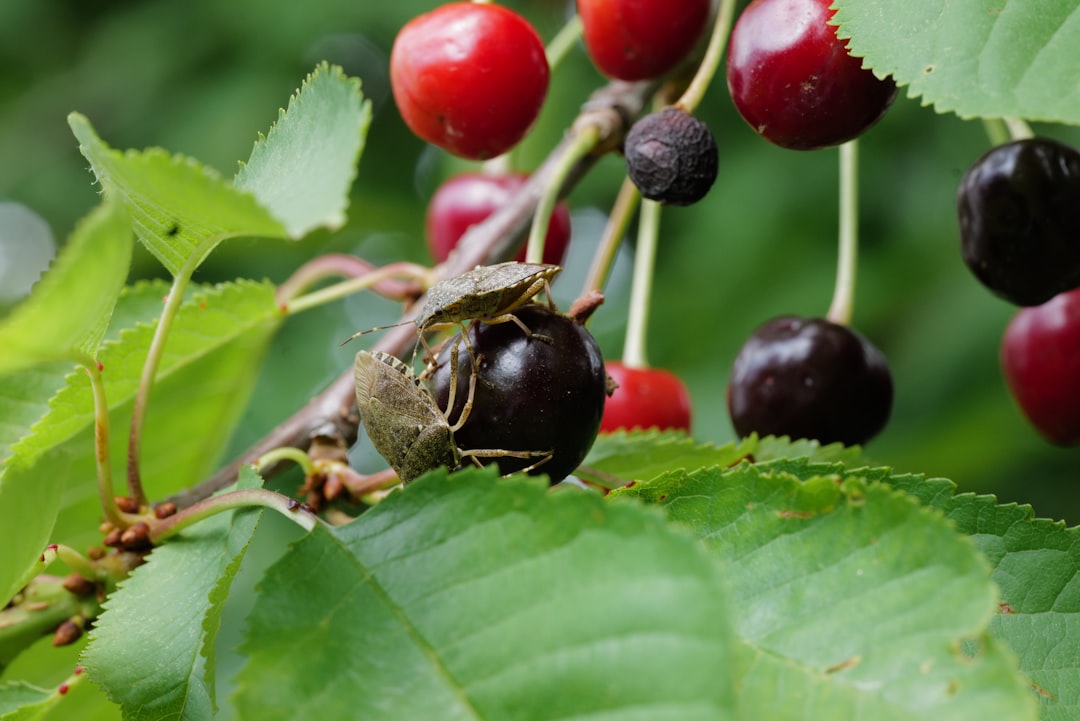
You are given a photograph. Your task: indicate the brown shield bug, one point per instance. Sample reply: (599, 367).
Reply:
(405, 424)
(488, 293)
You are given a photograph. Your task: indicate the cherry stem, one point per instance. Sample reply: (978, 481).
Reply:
(1018, 128)
(71, 682)
(563, 42)
(1003, 130)
(843, 299)
(78, 562)
(287, 453)
(399, 281)
(149, 371)
(245, 498)
(584, 139)
(618, 221)
(362, 487)
(714, 52)
(334, 265)
(101, 447)
(996, 131)
(637, 323)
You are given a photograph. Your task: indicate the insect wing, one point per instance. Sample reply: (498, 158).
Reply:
(402, 421)
(486, 290)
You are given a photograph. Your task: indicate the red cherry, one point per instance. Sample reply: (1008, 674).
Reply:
(469, 78)
(1040, 355)
(640, 39)
(645, 398)
(466, 199)
(793, 81)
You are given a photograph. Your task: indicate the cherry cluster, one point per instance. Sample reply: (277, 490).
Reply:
(471, 78)
(1019, 221)
(795, 84)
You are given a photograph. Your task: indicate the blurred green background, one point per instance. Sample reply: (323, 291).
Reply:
(203, 77)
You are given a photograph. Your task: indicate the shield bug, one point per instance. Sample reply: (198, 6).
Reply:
(405, 424)
(488, 293)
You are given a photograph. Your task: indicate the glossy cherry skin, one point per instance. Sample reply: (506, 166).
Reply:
(645, 398)
(532, 393)
(466, 199)
(810, 378)
(640, 39)
(793, 81)
(1040, 357)
(470, 78)
(1019, 212)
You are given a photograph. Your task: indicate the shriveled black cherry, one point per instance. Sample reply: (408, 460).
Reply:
(671, 157)
(1019, 212)
(538, 392)
(810, 378)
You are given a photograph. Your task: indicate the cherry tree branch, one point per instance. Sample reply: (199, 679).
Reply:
(610, 110)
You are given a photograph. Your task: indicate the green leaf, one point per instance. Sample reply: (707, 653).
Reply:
(22, 701)
(180, 209)
(14, 694)
(203, 385)
(471, 597)
(619, 458)
(237, 318)
(302, 170)
(169, 610)
(298, 178)
(1037, 568)
(24, 399)
(851, 600)
(976, 58)
(772, 448)
(30, 496)
(67, 312)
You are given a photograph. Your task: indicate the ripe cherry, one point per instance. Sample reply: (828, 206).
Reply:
(793, 80)
(810, 378)
(1020, 220)
(640, 39)
(1040, 356)
(645, 398)
(542, 391)
(468, 198)
(469, 78)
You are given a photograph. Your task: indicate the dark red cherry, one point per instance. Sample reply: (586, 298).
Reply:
(469, 77)
(1019, 212)
(794, 82)
(1040, 356)
(468, 198)
(540, 392)
(810, 378)
(640, 39)
(645, 398)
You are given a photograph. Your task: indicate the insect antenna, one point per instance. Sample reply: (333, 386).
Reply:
(372, 330)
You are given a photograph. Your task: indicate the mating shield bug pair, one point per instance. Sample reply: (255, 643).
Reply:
(403, 421)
